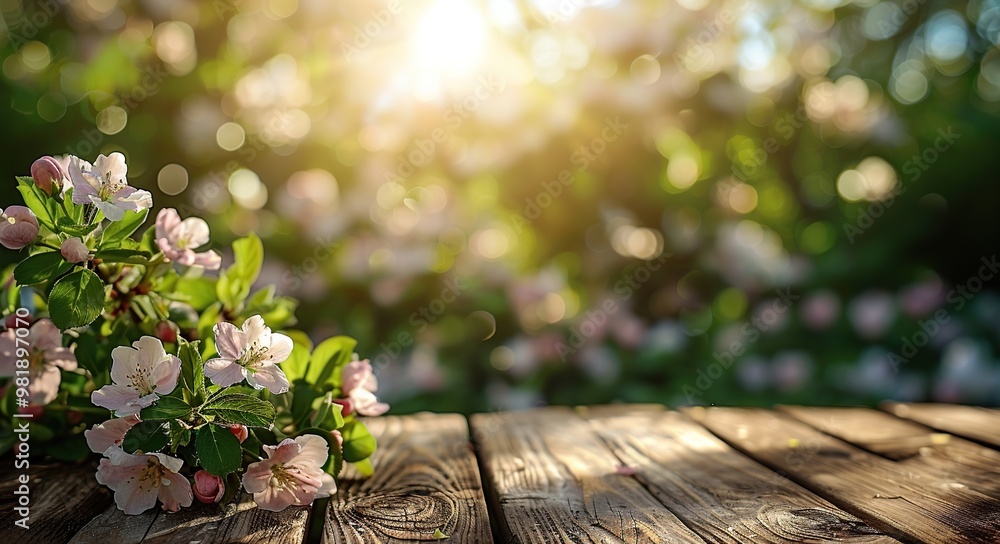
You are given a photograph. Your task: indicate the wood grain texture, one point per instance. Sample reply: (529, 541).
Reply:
(64, 498)
(241, 522)
(551, 479)
(114, 526)
(426, 479)
(979, 424)
(905, 501)
(721, 494)
(909, 443)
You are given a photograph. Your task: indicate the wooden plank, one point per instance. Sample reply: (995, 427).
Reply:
(551, 479)
(63, 498)
(979, 424)
(905, 501)
(909, 443)
(426, 479)
(718, 492)
(240, 522)
(114, 526)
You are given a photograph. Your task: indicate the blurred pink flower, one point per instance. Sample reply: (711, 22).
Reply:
(820, 310)
(48, 172)
(141, 374)
(358, 384)
(177, 239)
(104, 185)
(46, 358)
(872, 313)
(74, 250)
(208, 488)
(138, 480)
(252, 353)
(292, 474)
(109, 434)
(18, 227)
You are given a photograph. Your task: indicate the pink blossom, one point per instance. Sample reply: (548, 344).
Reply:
(292, 474)
(177, 239)
(48, 174)
(74, 250)
(109, 434)
(138, 480)
(18, 227)
(208, 488)
(239, 431)
(358, 384)
(141, 374)
(252, 353)
(104, 185)
(46, 359)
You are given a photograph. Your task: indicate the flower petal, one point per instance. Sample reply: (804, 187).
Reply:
(224, 372)
(114, 397)
(269, 376)
(229, 340)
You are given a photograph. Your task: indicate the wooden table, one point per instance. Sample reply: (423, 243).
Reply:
(623, 473)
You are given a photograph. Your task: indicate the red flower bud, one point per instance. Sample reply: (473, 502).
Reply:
(208, 488)
(48, 174)
(166, 331)
(239, 431)
(346, 404)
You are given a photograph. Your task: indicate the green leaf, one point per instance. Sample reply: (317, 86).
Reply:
(165, 408)
(179, 435)
(120, 230)
(145, 436)
(198, 292)
(329, 415)
(234, 284)
(209, 317)
(38, 202)
(365, 468)
(73, 227)
(242, 409)
(297, 364)
(303, 395)
(192, 369)
(218, 450)
(41, 267)
(129, 256)
(76, 300)
(358, 442)
(328, 358)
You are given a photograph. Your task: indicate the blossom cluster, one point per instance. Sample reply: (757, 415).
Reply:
(163, 362)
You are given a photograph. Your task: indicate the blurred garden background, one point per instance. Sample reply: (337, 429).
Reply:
(517, 202)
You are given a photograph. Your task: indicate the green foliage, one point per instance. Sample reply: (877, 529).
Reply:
(235, 282)
(166, 408)
(242, 409)
(328, 359)
(117, 231)
(359, 444)
(76, 300)
(192, 371)
(218, 450)
(146, 436)
(41, 267)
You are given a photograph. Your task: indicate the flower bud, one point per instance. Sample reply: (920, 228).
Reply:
(48, 174)
(345, 404)
(208, 488)
(239, 431)
(338, 437)
(18, 227)
(74, 250)
(165, 331)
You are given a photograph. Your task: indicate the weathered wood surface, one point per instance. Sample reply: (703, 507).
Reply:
(979, 424)
(426, 480)
(552, 479)
(206, 524)
(909, 443)
(608, 474)
(721, 494)
(63, 498)
(909, 502)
